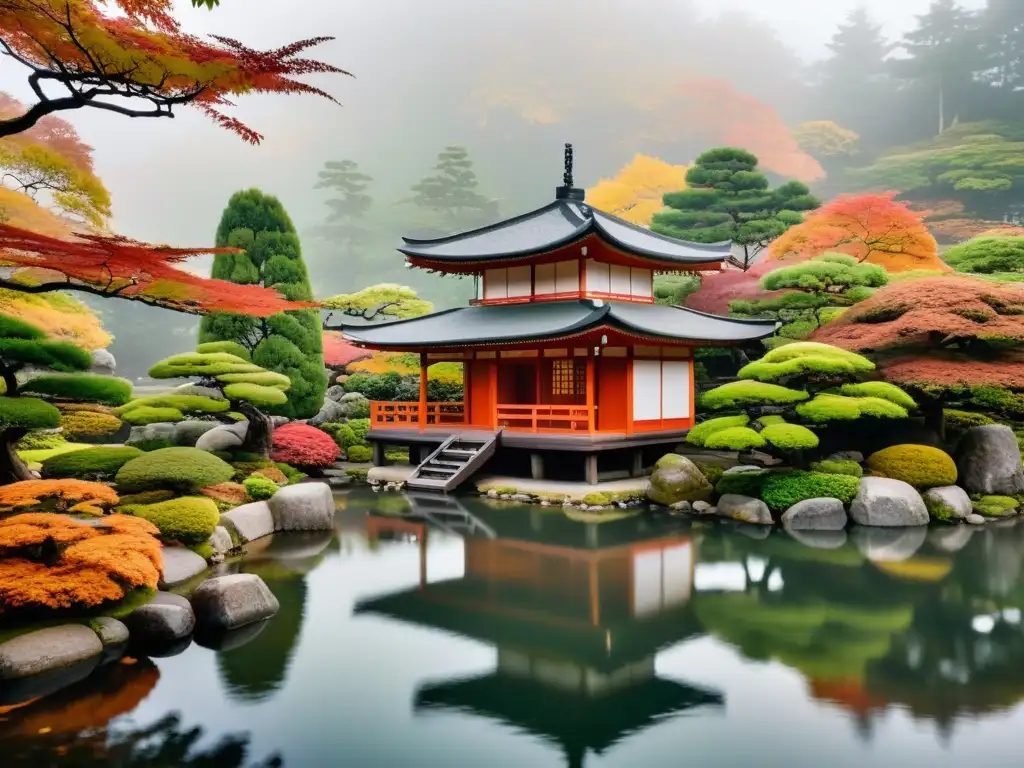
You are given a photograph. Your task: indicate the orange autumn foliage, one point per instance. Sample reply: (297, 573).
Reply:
(725, 116)
(90, 567)
(59, 316)
(635, 193)
(873, 227)
(58, 495)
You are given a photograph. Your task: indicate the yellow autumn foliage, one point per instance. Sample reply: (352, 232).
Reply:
(635, 193)
(59, 316)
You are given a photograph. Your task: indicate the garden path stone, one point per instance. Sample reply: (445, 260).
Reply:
(46, 650)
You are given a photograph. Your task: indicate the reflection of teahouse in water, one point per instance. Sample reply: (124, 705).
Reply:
(577, 613)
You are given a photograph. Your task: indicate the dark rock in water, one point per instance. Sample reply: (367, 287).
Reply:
(988, 461)
(45, 684)
(46, 650)
(815, 515)
(110, 631)
(676, 479)
(161, 625)
(231, 602)
(230, 640)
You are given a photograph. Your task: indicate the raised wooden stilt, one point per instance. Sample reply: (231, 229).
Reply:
(591, 469)
(537, 466)
(637, 468)
(379, 459)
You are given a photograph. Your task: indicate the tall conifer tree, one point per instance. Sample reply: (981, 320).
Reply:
(290, 342)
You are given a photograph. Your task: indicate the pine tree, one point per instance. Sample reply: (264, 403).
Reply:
(1002, 46)
(345, 221)
(290, 342)
(942, 56)
(729, 199)
(450, 196)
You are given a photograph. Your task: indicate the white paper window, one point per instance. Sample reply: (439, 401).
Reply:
(675, 389)
(544, 279)
(496, 284)
(567, 277)
(640, 282)
(646, 390)
(620, 280)
(597, 277)
(519, 282)
(646, 583)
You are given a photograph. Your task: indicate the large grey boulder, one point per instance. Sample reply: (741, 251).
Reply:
(303, 507)
(988, 461)
(224, 437)
(180, 565)
(329, 411)
(103, 362)
(250, 521)
(744, 509)
(815, 515)
(162, 622)
(230, 602)
(163, 431)
(889, 545)
(335, 393)
(888, 503)
(46, 650)
(355, 405)
(949, 503)
(187, 433)
(221, 541)
(676, 479)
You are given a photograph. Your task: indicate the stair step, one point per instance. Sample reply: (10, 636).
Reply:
(439, 470)
(455, 464)
(459, 452)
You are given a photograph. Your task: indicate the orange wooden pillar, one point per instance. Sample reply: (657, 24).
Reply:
(423, 391)
(591, 392)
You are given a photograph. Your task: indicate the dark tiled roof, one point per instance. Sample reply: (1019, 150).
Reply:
(555, 225)
(548, 320)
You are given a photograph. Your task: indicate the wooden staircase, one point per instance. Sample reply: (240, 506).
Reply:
(458, 459)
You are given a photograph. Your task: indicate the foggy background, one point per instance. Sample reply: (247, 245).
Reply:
(511, 80)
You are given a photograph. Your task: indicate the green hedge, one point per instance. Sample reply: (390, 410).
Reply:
(81, 386)
(41, 441)
(28, 413)
(359, 453)
(90, 463)
(838, 467)
(782, 491)
(742, 483)
(190, 519)
(186, 470)
(260, 488)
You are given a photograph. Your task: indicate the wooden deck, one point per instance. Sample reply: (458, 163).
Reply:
(540, 441)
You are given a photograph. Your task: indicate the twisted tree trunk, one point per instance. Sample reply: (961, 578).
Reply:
(12, 468)
(259, 437)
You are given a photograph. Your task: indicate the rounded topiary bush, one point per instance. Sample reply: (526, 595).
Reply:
(700, 433)
(838, 467)
(82, 425)
(81, 386)
(190, 519)
(303, 446)
(89, 463)
(259, 488)
(360, 453)
(919, 465)
(782, 491)
(734, 439)
(186, 470)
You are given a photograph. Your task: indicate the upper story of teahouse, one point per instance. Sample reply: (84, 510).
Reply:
(564, 250)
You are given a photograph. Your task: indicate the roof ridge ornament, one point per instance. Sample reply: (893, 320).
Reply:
(567, 191)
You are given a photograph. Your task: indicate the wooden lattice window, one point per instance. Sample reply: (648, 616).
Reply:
(568, 378)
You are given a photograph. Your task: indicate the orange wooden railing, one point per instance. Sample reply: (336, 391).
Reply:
(546, 418)
(398, 415)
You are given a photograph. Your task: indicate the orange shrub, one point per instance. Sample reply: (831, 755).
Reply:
(85, 566)
(58, 496)
(229, 493)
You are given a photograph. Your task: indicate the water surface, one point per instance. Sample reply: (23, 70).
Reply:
(492, 634)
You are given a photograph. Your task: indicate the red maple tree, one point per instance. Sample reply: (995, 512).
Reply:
(874, 227)
(101, 60)
(717, 289)
(117, 267)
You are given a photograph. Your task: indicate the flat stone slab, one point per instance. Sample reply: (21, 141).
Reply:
(250, 521)
(180, 565)
(47, 650)
(230, 602)
(572, 491)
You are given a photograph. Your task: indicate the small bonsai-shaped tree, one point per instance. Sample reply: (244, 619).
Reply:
(85, 401)
(23, 345)
(988, 256)
(816, 384)
(386, 301)
(815, 292)
(227, 387)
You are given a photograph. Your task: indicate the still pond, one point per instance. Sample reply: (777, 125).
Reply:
(488, 634)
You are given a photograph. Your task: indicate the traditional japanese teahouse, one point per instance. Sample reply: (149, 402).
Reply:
(565, 352)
